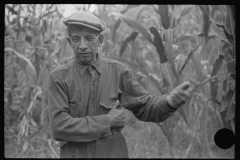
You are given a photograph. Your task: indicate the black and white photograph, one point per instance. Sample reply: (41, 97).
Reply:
(119, 81)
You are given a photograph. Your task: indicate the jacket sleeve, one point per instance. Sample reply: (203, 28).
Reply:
(145, 107)
(66, 128)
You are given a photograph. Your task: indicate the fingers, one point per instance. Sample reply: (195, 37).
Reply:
(116, 104)
(185, 85)
(187, 93)
(182, 97)
(119, 119)
(180, 94)
(187, 88)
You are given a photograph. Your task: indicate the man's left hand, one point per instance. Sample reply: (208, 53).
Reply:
(179, 95)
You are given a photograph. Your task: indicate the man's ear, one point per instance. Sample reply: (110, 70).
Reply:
(69, 41)
(100, 40)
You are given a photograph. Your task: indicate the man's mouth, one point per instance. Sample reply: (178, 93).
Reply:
(84, 54)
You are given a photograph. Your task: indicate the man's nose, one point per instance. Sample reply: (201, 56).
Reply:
(83, 45)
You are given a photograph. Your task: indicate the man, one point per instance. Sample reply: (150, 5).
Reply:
(85, 96)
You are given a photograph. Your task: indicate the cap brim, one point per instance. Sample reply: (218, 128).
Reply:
(85, 25)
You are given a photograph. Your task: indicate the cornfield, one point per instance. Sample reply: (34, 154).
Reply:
(163, 45)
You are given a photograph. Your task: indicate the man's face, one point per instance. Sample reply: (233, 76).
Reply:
(85, 43)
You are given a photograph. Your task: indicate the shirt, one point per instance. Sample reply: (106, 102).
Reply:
(80, 96)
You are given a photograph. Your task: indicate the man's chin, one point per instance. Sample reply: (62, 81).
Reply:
(85, 61)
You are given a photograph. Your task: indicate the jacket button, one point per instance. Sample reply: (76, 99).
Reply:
(91, 101)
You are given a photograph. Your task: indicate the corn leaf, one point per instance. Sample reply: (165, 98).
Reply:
(159, 45)
(179, 61)
(168, 47)
(129, 7)
(63, 49)
(166, 127)
(163, 12)
(184, 12)
(214, 89)
(228, 35)
(25, 146)
(141, 9)
(29, 67)
(215, 35)
(214, 85)
(42, 78)
(21, 62)
(198, 68)
(230, 62)
(231, 110)
(31, 80)
(127, 40)
(232, 9)
(10, 98)
(165, 130)
(227, 100)
(182, 38)
(182, 113)
(226, 123)
(134, 25)
(134, 67)
(197, 85)
(39, 92)
(198, 115)
(157, 83)
(214, 8)
(130, 63)
(155, 8)
(170, 123)
(225, 83)
(217, 65)
(56, 50)
(115, 27)
(206, 24)
(189, 55)
(230, 18)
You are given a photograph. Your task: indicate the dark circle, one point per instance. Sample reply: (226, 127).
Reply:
(74, 151)
(224, 138)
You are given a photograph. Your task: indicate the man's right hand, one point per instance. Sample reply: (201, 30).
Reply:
(116, 116)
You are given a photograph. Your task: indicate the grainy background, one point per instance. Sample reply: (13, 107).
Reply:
(203, 38)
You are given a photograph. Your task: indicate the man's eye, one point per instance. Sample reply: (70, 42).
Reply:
(75, 40)
(90, 39)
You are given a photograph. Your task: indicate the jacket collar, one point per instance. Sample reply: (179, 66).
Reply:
(82, 67)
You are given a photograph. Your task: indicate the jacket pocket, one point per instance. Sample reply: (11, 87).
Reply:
(77, 110)
(106, 106)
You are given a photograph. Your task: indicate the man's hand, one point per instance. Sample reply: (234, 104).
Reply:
(116, 116)
(179, 95)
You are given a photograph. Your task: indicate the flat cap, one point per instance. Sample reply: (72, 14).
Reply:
(86, 19)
